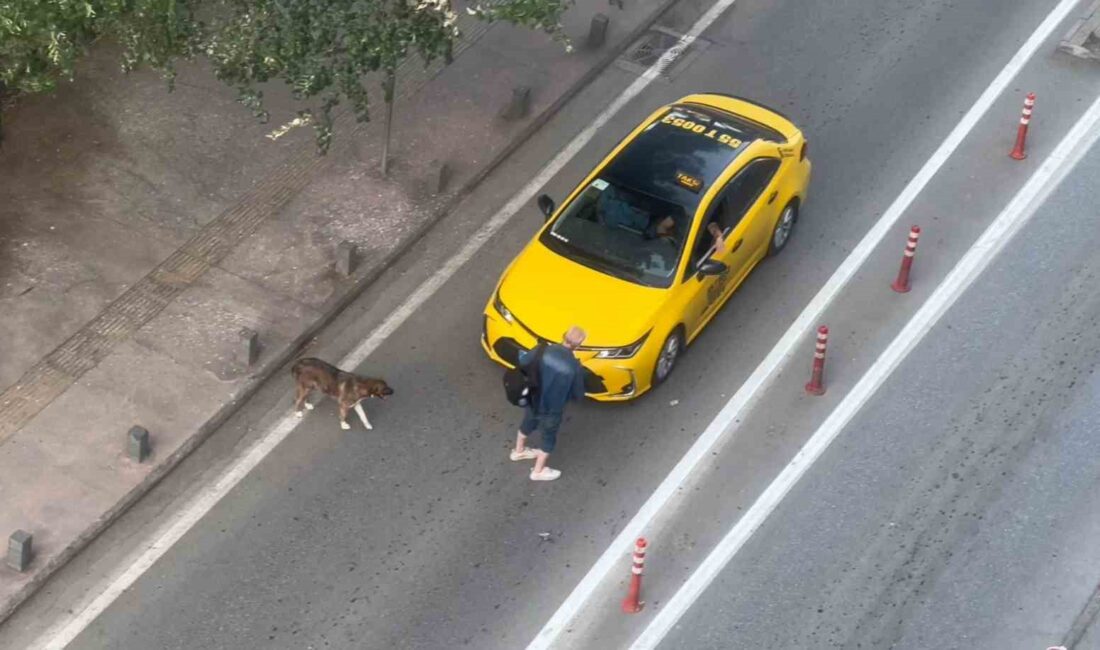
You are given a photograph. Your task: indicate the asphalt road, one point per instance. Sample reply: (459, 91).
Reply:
(421, 534)
(968, 516)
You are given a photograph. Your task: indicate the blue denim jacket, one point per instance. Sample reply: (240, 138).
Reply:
(560, 378)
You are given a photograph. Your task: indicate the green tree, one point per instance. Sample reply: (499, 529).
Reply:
(42, 40)
(325, 50)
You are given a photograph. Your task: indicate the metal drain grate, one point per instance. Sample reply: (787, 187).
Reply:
(662, 48)
(650, 48)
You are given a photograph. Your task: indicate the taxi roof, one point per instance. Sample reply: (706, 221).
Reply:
(658, 159)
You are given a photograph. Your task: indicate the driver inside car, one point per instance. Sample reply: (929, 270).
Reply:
(614, 210)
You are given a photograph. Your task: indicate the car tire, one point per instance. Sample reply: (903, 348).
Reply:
(784, 226)
(671, 350)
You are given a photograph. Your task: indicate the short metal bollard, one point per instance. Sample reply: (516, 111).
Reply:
(519, 104)
(597, 31)
(345, 258)
(138, 444)
(19, 550)
(249, 349)
(440, 174)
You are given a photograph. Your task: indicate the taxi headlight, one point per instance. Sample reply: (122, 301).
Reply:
(625, 352)
(502, 310)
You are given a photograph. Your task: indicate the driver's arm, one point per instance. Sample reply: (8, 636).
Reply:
(719, 240)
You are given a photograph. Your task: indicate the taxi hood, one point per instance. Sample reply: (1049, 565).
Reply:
(548, 293)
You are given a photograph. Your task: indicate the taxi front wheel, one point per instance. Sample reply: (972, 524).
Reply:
(666, 359)
(781, 234)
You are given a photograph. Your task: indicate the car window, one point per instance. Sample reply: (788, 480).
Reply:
(746, 187)
(731, 205)
(621, 232)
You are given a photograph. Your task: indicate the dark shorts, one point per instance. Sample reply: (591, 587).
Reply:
(546, 424)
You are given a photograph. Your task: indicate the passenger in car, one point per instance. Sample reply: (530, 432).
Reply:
(614, 210)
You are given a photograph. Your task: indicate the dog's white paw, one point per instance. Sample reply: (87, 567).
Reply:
(309, 407)
(369, 427)
(345, 426)
(300, 414)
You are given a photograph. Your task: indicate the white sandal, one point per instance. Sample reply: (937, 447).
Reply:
(528, 453)
(547, 474)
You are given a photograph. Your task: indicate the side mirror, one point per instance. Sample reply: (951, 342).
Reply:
(711, 267)
(546, 205)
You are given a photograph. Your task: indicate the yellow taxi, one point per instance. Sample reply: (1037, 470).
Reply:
(653, 241)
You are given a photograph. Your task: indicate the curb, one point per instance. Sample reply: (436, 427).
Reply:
(1083, 39)
(328, 314)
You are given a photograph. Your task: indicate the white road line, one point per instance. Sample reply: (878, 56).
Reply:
(725, 422)
(63, 633)
(1059, 163)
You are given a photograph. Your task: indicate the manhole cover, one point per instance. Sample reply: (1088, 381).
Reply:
(663, 48)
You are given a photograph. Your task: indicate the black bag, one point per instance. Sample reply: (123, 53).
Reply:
(522, 387)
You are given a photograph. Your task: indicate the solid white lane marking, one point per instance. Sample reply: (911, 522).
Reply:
(724, 422)
(1053, 170)
(432, 284)
(144, 558)
(173, 530)
(68, 629)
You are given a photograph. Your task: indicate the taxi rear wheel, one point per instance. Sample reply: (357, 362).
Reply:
(667, 357)
(784, 225)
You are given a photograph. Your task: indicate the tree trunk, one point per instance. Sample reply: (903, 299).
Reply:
(3, 89)
(390, 81)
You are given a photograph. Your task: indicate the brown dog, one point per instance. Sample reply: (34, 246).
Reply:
(347, 389)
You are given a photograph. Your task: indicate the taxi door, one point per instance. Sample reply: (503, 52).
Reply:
(741, 210)
(760, 203)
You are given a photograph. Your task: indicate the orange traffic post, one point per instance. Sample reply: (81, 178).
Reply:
(816, 386)
(632, 604)
(901, 284)
(1021, 132)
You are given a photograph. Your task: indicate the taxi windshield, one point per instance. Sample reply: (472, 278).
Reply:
(632, 221)
(622, 232)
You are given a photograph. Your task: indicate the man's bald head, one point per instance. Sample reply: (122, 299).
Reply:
(573, 338)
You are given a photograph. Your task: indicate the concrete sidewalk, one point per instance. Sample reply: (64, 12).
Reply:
(140, 231)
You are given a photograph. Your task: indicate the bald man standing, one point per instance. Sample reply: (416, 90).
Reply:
(560, 379)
